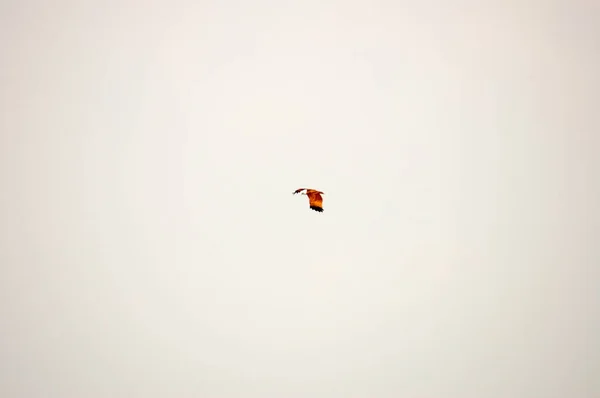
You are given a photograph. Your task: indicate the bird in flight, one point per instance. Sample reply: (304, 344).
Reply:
(315, 200)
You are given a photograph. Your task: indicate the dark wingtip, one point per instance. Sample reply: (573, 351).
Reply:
(316, 208)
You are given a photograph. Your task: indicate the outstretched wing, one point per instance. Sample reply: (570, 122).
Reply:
(315, 200)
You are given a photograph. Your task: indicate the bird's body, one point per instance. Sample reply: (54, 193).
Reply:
(315, 200)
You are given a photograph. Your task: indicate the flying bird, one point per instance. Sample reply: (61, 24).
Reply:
(315, 200)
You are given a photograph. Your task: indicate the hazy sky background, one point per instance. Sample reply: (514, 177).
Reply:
(150, 244)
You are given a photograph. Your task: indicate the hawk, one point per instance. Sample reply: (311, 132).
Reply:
(315, 200)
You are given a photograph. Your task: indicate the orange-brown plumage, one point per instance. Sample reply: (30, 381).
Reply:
(315, 200)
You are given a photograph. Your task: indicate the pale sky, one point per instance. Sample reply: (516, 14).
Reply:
(150, 244)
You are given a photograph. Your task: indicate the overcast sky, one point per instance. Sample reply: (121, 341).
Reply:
(150, 244)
